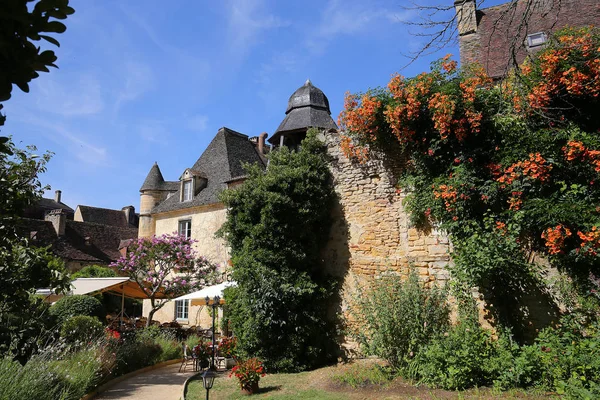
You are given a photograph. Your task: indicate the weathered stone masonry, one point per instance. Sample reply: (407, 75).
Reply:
(371, 232)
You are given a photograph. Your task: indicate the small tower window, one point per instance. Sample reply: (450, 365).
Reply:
(536, 39)
(187, 190)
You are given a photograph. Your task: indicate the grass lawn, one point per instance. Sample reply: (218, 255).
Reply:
(341, 382)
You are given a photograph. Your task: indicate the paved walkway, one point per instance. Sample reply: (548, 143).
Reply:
(160, 384)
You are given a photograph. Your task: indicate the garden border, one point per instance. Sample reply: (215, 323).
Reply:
(187, 381)
(105, 386)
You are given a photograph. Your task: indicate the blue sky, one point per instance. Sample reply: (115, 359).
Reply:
(144, 81)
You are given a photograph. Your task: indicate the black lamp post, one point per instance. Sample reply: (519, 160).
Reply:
(208, 379)
(215, 304)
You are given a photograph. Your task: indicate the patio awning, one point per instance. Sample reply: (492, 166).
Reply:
(198, 298)
(118, 285)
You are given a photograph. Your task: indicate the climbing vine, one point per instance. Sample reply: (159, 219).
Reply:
(508, 169)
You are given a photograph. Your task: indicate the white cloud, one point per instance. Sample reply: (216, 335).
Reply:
(197, 122)
(138, 79)
(247, 19)
(75, 142)
(349, 18)
(285, 62)
(76, 97)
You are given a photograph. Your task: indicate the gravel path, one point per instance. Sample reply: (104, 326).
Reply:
(160, 384)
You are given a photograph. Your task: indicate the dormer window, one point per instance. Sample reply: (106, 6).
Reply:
(188, 190)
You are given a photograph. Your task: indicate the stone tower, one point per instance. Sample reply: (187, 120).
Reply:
(308, 107)
(154, 190)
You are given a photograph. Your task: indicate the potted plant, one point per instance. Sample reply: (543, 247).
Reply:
(227, 349)
(202, 352)
(249, 373)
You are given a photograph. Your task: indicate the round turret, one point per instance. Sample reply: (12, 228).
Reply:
(308, 107)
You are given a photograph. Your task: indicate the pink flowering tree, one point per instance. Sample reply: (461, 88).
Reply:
(165, 267)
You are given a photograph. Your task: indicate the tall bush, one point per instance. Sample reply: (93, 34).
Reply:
(81, 329)
(277, 223)
(70, 306)
(394, 317)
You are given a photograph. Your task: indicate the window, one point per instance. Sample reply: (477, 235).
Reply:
(187, 190)
(182, 308)
(536, 39)
(185, 228)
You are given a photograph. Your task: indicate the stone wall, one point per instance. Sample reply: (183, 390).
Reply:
(371, 232)
(371, 235)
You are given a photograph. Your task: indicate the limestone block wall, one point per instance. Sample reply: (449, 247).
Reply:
(371, 233)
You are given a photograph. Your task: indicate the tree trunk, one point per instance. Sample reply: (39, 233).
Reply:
(150, 315)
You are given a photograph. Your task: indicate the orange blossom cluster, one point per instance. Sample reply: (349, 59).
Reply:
(408, 97)
(535, 168)
(555, 238)
(590, 241)
(581, 78)
(575, 150)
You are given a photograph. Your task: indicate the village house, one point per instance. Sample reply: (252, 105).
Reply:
(86, 236)
(501, 36)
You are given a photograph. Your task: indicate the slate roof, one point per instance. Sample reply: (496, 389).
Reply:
(155, 181)
(102, 245)
(44, 205)
(307, 107)
(221, 162)
(104, 216)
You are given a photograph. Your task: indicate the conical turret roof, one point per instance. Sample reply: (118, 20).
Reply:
(154, 179)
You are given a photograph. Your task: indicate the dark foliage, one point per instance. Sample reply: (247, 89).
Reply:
(277, 223)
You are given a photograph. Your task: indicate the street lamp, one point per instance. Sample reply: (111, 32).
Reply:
(208, 379)
(215, 304)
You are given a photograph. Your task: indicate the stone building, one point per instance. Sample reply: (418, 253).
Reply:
(370, 234)
(490, 36)
(191, 207)
(44, 205)
(77, 243)
(86, 236)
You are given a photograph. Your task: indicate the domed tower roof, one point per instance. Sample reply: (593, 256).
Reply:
(307, 107)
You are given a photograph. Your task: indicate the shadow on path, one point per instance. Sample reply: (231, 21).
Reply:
(163, 383)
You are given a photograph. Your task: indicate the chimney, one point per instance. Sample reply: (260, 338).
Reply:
(57, 196)
(261, 142)
(129, 214)
(466, 18)
(59, 221)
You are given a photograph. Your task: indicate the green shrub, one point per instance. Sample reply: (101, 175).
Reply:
(56, 373)
(461, 358)
(567, 358)
(395, 317)
(81, 328)
(94, 271)
(70, 306)
(32, 381)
